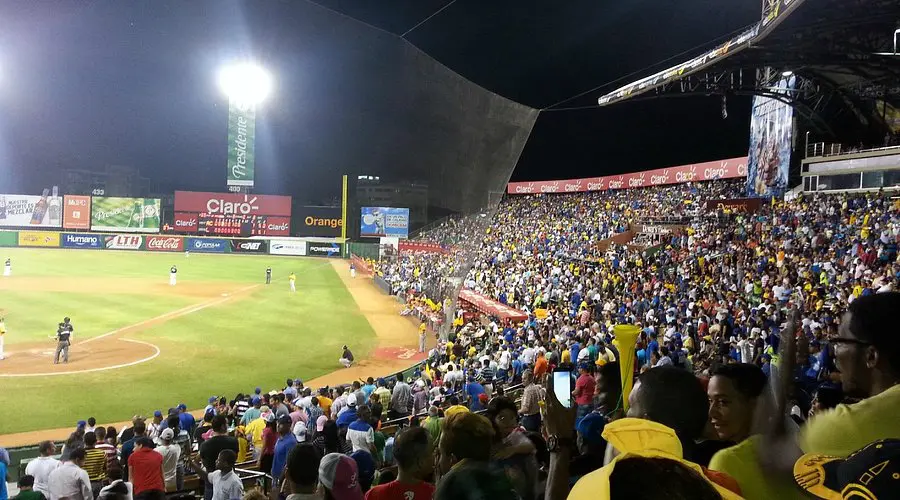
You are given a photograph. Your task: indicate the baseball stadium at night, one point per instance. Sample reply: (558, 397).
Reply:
(449, 249)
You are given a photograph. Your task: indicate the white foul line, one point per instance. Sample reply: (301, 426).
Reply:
(89, 370)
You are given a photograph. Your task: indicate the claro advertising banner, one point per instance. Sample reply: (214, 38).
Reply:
(322, 222)
(38, 239)
(722, 169)
(130, 215)
(22, 210)
(81, 240)
(384, 221)
(232, 203)
(212, 245)
(287, 247)
(77, 212)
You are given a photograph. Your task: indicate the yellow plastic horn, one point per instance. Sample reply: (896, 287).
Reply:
(625, 342)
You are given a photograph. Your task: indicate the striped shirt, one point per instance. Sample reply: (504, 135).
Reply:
(240, 408)
(487, 374)
(95, 464)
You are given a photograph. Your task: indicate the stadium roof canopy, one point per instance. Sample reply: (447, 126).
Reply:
(845, 55)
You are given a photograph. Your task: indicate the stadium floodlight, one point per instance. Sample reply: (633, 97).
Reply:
(246, 84)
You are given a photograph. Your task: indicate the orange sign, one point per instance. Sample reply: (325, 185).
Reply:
(77, 212)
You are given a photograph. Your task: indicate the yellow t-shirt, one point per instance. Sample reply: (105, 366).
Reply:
(566, 357)
(325, 404)
(848, 428)
(254, 431)
(453, 410)
(740, 462)
(292, 277)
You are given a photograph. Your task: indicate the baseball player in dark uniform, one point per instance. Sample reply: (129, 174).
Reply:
(268, 275)
(64, 336)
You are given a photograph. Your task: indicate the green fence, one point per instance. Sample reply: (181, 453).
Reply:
(364, 250)
(9, 238)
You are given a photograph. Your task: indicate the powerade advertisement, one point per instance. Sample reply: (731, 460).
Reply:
(316, 249)
(130, 215)
(212, 245)
(771, 136)
(77, 240)
(379, 222)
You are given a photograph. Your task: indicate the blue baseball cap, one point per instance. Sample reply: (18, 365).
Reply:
(81, 423)
(182, 406)
(591, 428)
(255, 400)
(212, 399)
(257, 390)
(157, 413)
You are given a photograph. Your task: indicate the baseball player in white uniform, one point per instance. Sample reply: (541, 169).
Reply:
(7, 269)
(2, 335)
(173, 272)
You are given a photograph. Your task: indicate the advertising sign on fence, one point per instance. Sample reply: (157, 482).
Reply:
(317, 249)
(722, 169)
(213, 245)
(81, 240)
(185, 222)
(249, 246)
(9, 238)
(77, 212)
(323, 222)
(130, 215)
(22, 210)
(241, 140)
(287, 247)
(231, 214)
(165, 243)
(384, 221)
(123, 242)
(38, 239)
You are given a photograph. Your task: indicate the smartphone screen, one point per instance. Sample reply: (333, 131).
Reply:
(562, 387)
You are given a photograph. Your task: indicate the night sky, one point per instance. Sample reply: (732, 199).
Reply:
(86, 84)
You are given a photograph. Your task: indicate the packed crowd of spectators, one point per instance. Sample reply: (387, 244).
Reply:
(766, 365)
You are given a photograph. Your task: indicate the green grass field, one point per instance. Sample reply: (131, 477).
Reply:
(256, 338)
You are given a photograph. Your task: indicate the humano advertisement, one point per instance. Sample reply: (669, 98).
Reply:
(22, 210)
(130, 215)
(80, 240)
(384, 221)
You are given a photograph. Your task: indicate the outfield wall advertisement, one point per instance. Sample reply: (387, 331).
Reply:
(130, 215)
(9, 238)
(384, 221)
(317, 249)
(77, 212)
(123, 242)
(164, 244)
(22, 210)
(287, 247)
(210, 245)
(38, 239)
(81, 240)
(249, 246)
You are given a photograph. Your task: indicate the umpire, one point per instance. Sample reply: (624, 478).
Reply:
(63, 340)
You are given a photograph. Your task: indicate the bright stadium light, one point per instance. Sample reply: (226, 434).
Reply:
(787, 73)
(246, 84)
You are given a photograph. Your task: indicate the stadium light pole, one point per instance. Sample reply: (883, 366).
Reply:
(246, 85)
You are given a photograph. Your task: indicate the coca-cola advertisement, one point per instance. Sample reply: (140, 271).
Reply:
(232, 203)
(185, 222)
(721, 169)
(165, 244)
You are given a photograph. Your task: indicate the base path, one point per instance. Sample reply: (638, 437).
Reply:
(397, 348)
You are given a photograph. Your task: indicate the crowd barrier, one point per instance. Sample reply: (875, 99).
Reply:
(170, 243)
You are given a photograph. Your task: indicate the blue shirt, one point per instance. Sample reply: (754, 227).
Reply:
(347, 418)
(473, 389)
(368, 389)
(4, 495)
(573, 351)
(187, 421)
(283, 447)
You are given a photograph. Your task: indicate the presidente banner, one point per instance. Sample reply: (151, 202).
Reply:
(38, 239)
(384, 221)
(241, 148)
(165, 243)
(732, 168)
(22, 210)
(123, 242)
(317, 249)
(130, 215)
(212, 245)
(81, 240)
(77, 212)
(287, 247)
(249, 246)
(771, 136)
(9, 238)
(324, 222)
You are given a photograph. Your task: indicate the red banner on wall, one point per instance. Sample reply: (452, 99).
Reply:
(185, 222)
(419, 246)
(165, 243)
(722, 169)
(232, 203)
(77, 212)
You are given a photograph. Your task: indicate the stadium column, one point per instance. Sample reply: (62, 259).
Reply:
(344, 214)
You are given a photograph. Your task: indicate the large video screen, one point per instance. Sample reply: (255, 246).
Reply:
(384, 221)
(132, 215)
(22, 210)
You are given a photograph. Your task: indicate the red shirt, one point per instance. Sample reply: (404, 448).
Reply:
(269, 438)
(585, 385)
(395, 490)
(147, 473)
